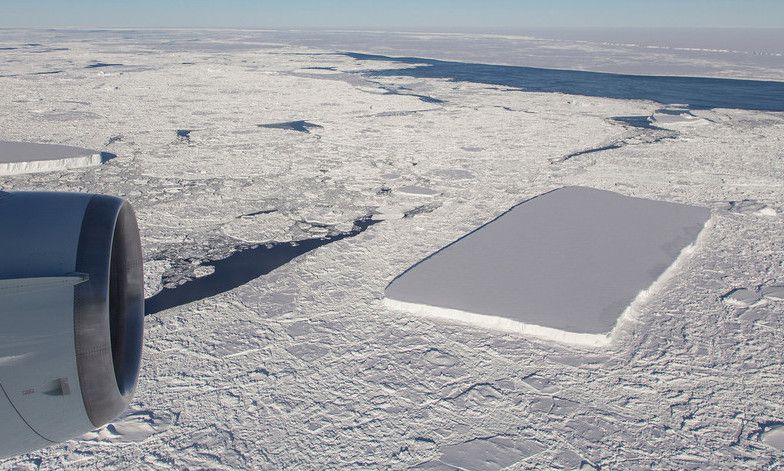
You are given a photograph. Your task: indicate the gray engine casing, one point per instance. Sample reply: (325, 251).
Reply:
(71, 315)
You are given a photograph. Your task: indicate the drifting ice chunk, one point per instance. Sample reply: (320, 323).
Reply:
(484, 454)
(417, 190)
(27, 157)
(564, 265)
(774, 436)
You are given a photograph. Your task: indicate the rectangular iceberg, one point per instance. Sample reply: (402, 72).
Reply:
(564, 265)
(29, 157)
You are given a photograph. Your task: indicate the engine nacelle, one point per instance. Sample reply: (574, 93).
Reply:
(71, 315)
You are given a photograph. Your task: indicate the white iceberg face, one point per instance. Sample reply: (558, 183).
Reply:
(565, 264)
(28, 157)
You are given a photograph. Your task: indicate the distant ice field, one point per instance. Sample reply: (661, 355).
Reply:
(572, 260)
(731, 53)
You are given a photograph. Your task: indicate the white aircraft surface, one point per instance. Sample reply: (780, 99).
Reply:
(71, 315)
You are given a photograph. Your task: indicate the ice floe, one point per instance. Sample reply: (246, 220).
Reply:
(773, 435)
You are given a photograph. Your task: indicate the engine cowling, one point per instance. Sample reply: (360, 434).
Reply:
(71, 315)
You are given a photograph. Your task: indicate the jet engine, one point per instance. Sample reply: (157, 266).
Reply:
(71, 315)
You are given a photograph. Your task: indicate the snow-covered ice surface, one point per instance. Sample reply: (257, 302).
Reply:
(28, 157)
(563, 265)
(305, 367)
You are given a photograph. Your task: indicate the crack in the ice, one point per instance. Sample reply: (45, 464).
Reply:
(616, 145)
(640, 134)
(299, 126)
(241, 267)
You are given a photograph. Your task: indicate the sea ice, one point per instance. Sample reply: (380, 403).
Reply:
(564, 265)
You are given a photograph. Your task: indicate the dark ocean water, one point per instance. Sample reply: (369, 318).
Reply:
(696, 92)
(241, 267)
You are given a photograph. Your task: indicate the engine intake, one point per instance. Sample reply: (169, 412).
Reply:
(71, 315)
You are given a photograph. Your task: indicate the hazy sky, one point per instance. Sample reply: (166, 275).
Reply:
(488, 15)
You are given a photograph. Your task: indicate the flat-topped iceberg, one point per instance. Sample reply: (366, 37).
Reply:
(28, 157)
(564, 265)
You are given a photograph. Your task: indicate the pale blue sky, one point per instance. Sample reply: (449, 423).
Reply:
(488, 15)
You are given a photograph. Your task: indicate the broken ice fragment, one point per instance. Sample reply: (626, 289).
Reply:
(741, 297)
